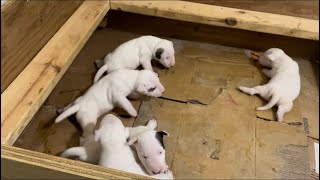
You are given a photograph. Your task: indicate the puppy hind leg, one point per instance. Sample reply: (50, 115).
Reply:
(88, 123)
(282, 109)
(270, 104)
(252, 91)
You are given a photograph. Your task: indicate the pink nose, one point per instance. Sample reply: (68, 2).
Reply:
(159, 170)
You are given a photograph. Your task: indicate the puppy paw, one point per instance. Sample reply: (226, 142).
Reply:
(133, 114)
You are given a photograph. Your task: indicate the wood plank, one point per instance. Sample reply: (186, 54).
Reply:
(21, 100)
(298, 8)
(26, 28)
(225, 17)
(26, 164)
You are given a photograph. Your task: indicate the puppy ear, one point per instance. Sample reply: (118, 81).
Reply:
(159, 137)
(162, 133)
(132, 140)
(141, 87)
(97, 135)
(158, 53)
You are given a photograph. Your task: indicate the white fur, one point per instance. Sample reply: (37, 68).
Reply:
(115, 152)
(284, 85)
(111, 91)
(139, 51)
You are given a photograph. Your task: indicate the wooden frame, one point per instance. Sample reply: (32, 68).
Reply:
(24, 96)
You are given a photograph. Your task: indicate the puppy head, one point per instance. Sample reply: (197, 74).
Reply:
(270, 56)
(149, 84)
(151, 151)
(164, 53)
(111, 129)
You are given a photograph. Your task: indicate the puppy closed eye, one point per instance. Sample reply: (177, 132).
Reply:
(151, 89)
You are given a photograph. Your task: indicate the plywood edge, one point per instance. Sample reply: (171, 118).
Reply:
(223, 16)
(64, 165)
(21, 100)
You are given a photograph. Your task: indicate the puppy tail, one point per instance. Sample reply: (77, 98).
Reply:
(73, 109)
(100, 72)
(270, 104)
(75, 152)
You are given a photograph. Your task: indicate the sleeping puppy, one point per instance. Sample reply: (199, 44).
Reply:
(284, 85)
(115, 152)
(111, 91)
(139, 51)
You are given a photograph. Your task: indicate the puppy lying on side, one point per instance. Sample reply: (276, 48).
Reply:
(111, 91)
(284, 85)
(139, 51)
(115, 152)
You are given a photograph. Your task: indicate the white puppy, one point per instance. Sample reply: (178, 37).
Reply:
(111, 91)
(115, 152)
(139, 51)
(284, 85)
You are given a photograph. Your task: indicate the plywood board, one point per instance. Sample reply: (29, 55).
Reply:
(205, 140)
(25, 28)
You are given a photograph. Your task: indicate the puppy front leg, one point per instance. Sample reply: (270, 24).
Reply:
(126, 105)
(146, 64)
(152, 124)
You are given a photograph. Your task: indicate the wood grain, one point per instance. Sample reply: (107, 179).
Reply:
(26, 28)
(21, 100)
(225, 17)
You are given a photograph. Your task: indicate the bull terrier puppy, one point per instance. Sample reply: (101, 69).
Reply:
(284, 85)
(115, 152)
(149, 146)
(111, 91)
(139, 51)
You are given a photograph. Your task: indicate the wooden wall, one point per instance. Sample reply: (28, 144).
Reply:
(25, 28)
(299, 8)
(142, 24)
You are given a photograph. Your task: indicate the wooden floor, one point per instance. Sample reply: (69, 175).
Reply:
(214, 129)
